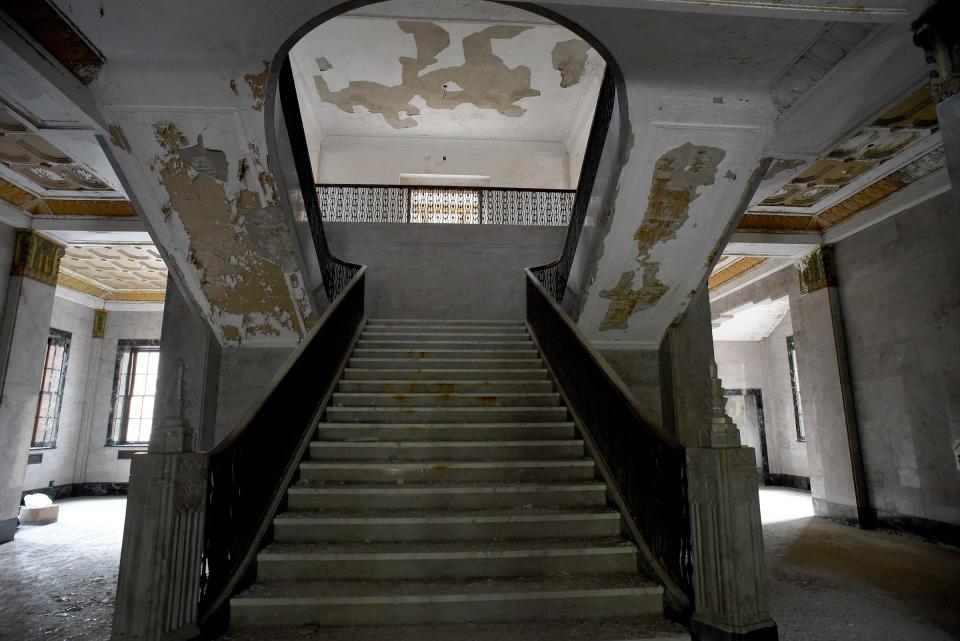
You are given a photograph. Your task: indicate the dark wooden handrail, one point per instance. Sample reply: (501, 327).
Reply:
(645, 465)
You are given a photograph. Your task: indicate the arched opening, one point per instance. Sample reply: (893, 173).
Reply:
(480, 114)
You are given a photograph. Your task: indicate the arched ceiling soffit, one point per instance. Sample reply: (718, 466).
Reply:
(444, 79)
(699, 90)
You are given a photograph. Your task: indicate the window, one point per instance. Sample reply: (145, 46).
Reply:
(51, 390)
(795, 388)
(134, 391)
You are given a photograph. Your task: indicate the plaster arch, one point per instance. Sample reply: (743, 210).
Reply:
(281, 163)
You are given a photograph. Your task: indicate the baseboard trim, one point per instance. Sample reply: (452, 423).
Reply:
(8, 527)
(927, 529)
(71, 490)
(935, 531)
(789, 480)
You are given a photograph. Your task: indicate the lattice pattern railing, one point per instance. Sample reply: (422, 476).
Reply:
(442, 204)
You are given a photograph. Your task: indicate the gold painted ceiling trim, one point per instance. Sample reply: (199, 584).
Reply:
(91, 207)
(760, 221)
(737, 268)
(130, 296)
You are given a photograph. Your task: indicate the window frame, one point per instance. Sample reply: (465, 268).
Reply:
(795, 390)
(117, 432)
(55, 338)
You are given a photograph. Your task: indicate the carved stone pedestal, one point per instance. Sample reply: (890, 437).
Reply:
(729, 572)
(158, 587)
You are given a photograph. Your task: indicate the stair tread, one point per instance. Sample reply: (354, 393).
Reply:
(445, 444)
(306, 487)
(573, 462)
(517, 513)
(429, 426)
(641, 628)
(441, 587)
(490, 547)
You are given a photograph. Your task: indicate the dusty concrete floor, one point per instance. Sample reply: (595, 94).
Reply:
(828, 582)
(831, 582)
(59, 581)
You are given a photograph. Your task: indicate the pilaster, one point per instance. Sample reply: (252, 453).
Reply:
(24, 329)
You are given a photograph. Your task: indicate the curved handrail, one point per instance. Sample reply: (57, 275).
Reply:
(646, 466)
(554, 274)
(249, 472)
(336, 272)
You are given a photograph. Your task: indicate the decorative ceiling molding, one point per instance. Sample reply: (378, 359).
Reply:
(100, 208)
(834, 43)
(727, 272)
(896, 149)
(58, 35)
(119, 272)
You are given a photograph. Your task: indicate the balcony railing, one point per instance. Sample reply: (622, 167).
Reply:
(441, 204)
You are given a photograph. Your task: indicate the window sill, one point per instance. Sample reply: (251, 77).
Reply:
(40, 448)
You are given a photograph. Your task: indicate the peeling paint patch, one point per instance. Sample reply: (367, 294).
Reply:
(209, 162)
(117, 138)
(484, 80)
(677, 178)
(233, 87)
(235, 241)
(257, 83)
(570, 59)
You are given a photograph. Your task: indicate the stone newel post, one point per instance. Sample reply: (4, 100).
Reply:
(728, 559)
(158, 587)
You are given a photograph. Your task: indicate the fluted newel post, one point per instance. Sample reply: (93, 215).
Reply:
(159, 583)
(729, 572)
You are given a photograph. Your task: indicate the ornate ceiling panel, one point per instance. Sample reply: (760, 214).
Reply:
(114, 272)
(896, 149)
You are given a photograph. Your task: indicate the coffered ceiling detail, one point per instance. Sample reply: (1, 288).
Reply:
(118, 272)
(40, 179)
(731, 267)
(894, 150)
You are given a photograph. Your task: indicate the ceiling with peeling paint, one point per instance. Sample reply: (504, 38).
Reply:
(444, 79)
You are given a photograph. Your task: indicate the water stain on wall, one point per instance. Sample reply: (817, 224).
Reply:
(570, 59)
(677, 178)
(484, 80)
(236, 243)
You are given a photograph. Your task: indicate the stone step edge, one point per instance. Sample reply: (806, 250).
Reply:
(465, 444)
(447, 597)
(414, 465)
(479, 488)
(445, 520)
(315, 557)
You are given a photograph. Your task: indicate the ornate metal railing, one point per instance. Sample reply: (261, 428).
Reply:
(554, 275)
(250, 470)
(647, 465)
(445, 204)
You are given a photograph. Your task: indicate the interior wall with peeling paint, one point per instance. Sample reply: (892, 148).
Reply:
(349, 163)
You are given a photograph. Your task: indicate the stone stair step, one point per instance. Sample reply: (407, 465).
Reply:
(445, 387)
(444, 450)
(444, 334)
(446, 414)
(461, 560)
(428, 344)
(444, 526)
(444, 363)
(447, 497)
(455, 353)
(458, 374)
(445, 399)
(636, 628)
(448, 471)
(443, 321)
(445, 431)
(340, 603)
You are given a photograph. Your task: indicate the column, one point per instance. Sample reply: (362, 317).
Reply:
(837, 481)
(23, 344)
